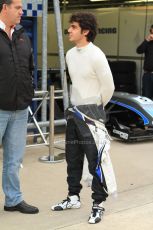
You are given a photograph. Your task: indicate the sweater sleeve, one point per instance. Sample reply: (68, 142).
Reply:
(105, 78)
(142, 47)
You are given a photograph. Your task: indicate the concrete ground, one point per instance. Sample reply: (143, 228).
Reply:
(44, 184)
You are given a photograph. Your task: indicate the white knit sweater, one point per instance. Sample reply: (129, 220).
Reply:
(90, 74)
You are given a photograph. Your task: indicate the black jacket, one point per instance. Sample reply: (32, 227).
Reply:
(147, 48)
(16, 65)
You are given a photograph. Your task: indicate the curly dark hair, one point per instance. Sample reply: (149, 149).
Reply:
(87, 21)
(8, 2)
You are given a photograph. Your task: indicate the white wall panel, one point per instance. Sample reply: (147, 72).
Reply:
(134, 25)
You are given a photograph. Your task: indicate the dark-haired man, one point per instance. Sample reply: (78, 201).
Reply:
(92, 88)
(146, 47)
(16, 92)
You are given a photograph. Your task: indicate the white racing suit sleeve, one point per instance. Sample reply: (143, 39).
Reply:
(104, 166)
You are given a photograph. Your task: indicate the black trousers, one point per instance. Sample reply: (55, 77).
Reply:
(147, 85)
(79, 141)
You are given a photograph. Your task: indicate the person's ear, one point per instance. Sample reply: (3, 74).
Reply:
(4, 8)
(85, 32)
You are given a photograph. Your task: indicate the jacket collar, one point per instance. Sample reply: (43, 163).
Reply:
(15, 28)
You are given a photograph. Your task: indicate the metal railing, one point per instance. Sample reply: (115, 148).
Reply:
(50, 142)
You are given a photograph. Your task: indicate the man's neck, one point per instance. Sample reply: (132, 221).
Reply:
(82, 43)
(7, 28)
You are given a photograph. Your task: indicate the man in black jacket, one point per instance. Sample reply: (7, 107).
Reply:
(146, 47)
(16, 92)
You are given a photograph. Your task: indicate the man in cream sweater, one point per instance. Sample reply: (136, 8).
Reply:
(92, 88)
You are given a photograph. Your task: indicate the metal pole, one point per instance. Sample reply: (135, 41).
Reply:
(44, 58)
(51, 158)
(51, 124)
(61, 52)
(46, 123)
(38, 127)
